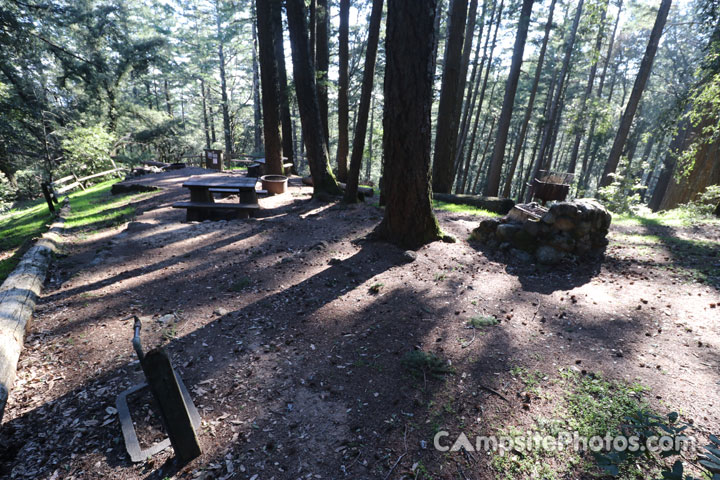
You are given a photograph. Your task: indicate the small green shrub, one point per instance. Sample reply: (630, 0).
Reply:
(422, 364)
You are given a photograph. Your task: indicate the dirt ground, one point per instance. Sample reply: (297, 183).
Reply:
(289, 330)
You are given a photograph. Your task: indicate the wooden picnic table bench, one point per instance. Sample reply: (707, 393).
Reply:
(202, 204)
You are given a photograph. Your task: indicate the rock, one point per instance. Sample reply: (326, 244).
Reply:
(548, 218)
(564, 209)
(322, 245)
(547, 255)
(220, 311)
(166, 319)
(522, 256)
(563, 241)
(564, 223)
(409, 256)
(485, 230)
(508, 231)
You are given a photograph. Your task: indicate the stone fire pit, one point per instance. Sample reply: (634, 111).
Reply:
(562, 231)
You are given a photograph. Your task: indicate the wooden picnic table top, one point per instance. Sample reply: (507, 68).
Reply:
(221, 181)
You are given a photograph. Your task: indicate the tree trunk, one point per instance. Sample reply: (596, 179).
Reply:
(580, 117)
(324, 182)
(257, 112)
(469, 159)
(167, 99)
(447, 117)
(343, 59)
(531, 102)
(364, 107)
(584, 170)
(484, 86)
(493, 184)
(471, 98)
(638, 87)
(270, 88)
(669, 166)
(323, 62)
(205, 115)
(223, 85)
(287, 128)
(550, 129)
(368, 164)
(409, 219)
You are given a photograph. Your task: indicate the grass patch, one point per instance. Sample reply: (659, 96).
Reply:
(480, 321)
(677, 217)
(19, 227)
(469, 209)
(589, 405)
(96, 208)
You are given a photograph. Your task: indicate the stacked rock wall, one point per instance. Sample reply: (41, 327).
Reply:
(567, 228)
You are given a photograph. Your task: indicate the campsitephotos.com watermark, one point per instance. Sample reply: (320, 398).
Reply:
(564, 440)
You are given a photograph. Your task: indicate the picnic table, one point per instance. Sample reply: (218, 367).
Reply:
(202, 204)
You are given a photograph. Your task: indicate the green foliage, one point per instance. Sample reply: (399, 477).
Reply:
(28, 184)
(87, 150)
(457, 208)
(479, 321)
(624, 191)
(7, 193)
(423, 364)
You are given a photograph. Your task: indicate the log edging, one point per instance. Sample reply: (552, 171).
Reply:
(18, 295)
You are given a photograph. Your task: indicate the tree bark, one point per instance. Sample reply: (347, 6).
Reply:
(531, 102)
(447, 117)
(580, 117)
(270, 88)
(257, 112)
(324, 182)
(205, 115)
(409, 220)
(493, 184)
(223, 85)
(343, 60)
(638, 87)
(323, 63)
(287, 128)
(668, 166)
(554, 111)
(364, 107)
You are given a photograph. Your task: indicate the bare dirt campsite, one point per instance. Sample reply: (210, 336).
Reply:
(295, 336)
(360, 239)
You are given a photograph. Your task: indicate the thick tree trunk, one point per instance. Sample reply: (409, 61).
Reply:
(447, 117)
(531, 102)
(287, 128)
(496, 163)
(324, 182)
(409, 219)
(343, 60)
(638, 87)
(364, 107)
(270, 88)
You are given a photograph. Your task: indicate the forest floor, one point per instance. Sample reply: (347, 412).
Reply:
(293, 335)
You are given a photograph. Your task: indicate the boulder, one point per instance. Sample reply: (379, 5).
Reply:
(547, 255)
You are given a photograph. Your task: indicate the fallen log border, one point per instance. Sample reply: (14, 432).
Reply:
(18, 295)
